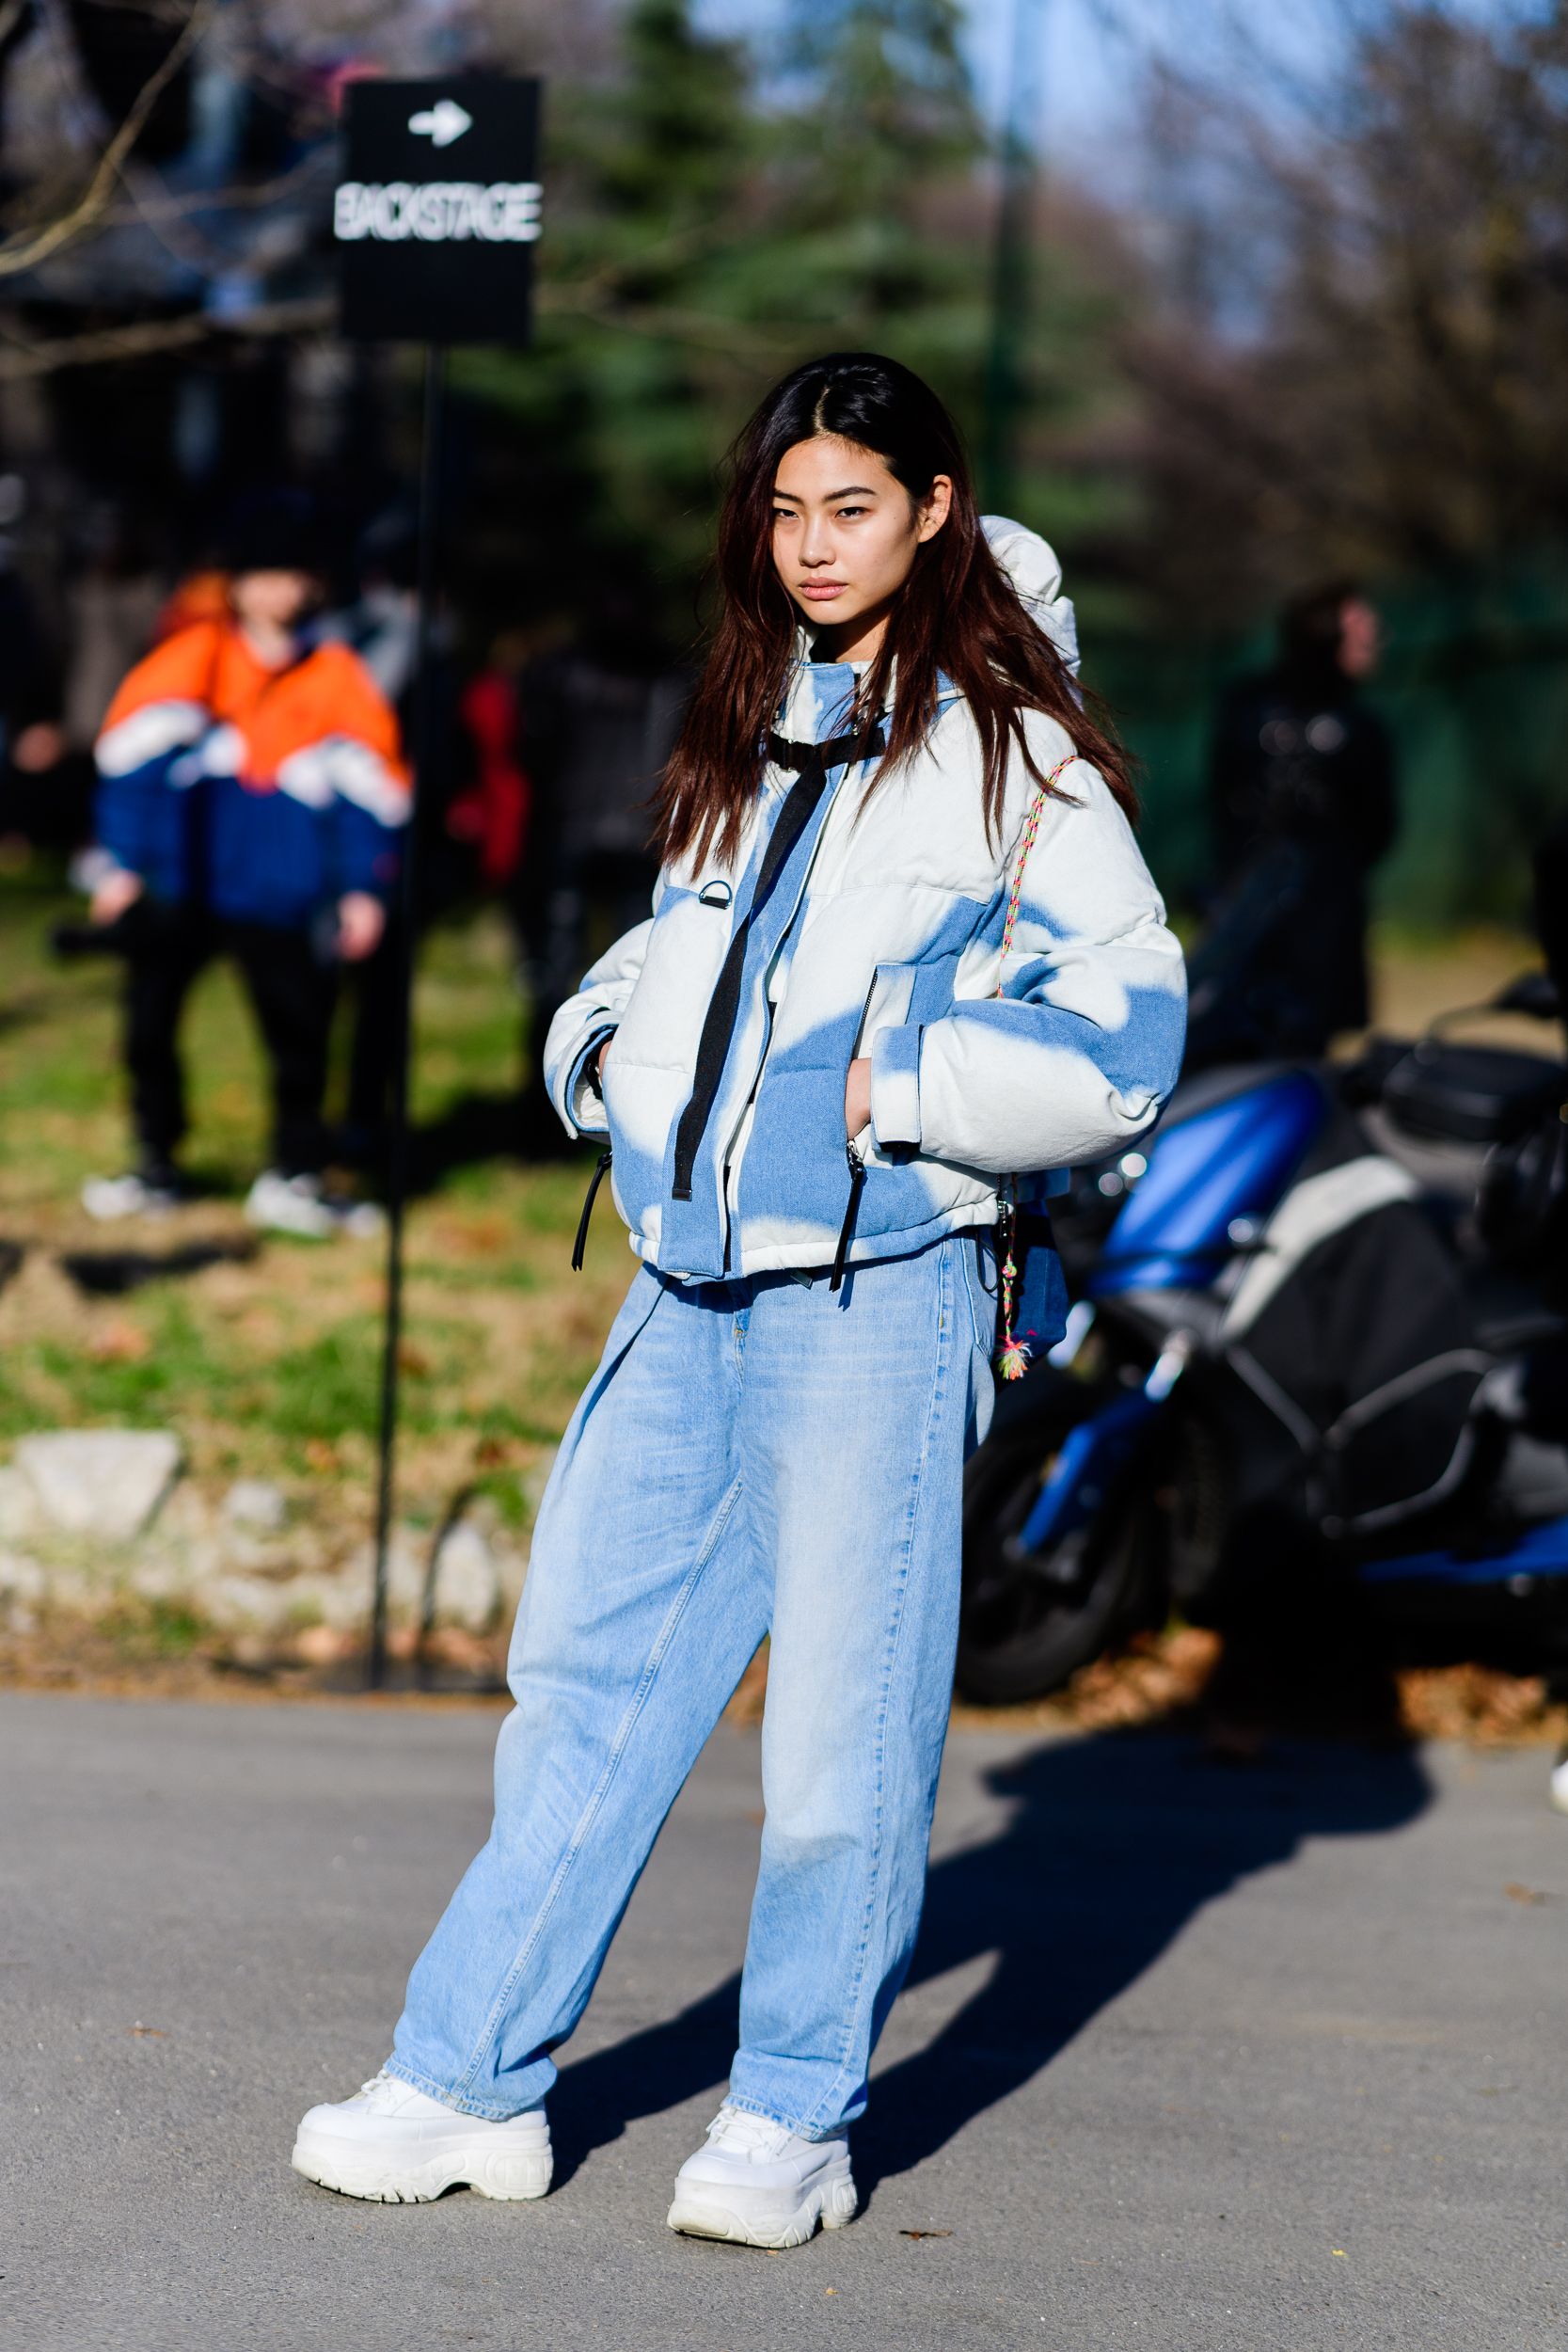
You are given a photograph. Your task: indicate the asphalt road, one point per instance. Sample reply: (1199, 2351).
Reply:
(1194, 2060)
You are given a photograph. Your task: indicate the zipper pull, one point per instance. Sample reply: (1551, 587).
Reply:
(857, 1179)
(594, 1182)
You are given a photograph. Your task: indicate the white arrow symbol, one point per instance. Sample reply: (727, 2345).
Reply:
(445, 122)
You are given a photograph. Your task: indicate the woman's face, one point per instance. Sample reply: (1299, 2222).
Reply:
(845, 533)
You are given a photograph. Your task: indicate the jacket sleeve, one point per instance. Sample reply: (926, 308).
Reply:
(355, 769)
(1080, 1048)
(583, 1024)
(161, 710)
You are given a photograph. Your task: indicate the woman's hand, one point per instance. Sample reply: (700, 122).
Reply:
(115, 894)
(857, 1095)
(603, 1051)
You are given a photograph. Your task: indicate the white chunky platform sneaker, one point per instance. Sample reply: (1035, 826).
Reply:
(757, 2184)
(392, 2144)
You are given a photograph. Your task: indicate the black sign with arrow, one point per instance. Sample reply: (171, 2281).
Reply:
(437, 212)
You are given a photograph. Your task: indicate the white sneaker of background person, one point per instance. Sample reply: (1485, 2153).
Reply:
(756, 2183)
(303, 1205)
(396, 2146)
(141, 1192)
(1557, 1787)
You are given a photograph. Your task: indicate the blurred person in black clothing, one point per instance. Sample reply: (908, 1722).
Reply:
(599, 720)
(1303, 774)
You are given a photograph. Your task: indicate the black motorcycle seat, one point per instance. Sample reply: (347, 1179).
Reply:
(1471, 1093)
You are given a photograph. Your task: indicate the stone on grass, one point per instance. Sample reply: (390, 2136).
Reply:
(103, 1482)
(467, 1584)
(247, 1604)
(19, 1508)
(23, 1582)
(257, 1504)
(21, 1579)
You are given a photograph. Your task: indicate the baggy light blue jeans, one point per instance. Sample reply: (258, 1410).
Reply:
(758, 1456)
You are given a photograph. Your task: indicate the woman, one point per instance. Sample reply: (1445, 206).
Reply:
(819, 1073)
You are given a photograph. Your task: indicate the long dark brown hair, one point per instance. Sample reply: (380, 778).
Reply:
(958, 613)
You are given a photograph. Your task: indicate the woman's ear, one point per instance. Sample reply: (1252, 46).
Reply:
(934, 508)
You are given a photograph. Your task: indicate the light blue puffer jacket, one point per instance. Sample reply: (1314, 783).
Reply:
(878, 933)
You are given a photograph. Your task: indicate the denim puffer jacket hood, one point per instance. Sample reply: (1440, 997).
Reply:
(878, 933)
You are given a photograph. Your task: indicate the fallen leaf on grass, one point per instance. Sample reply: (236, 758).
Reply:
(1339, 2254)
(925, 2232)
(120, 1342)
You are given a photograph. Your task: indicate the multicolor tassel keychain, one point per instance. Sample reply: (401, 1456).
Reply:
(1012, 1355)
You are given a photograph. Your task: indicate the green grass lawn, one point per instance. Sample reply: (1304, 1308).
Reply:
(271, 1367)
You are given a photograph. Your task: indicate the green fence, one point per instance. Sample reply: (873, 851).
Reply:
(1475, 689)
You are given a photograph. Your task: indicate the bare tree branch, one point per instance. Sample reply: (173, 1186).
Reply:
(20, 360)
(23, 358)
(24, 250)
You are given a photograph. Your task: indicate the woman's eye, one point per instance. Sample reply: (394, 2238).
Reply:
(847, 514)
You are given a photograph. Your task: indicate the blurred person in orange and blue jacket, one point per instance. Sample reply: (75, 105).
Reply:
(251, 797)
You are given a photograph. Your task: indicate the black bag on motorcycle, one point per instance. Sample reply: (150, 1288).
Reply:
(1351, 1330)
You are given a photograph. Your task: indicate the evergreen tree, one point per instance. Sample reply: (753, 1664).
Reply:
(708, 227)
(623, 401)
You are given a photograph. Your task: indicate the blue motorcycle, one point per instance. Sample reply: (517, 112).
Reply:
(1316, 1357)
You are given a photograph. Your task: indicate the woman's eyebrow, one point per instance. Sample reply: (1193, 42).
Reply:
(852, 490)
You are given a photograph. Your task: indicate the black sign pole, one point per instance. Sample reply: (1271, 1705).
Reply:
(404, 945)
(435, 218)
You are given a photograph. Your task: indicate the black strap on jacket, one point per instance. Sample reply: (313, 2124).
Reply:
(812, 761)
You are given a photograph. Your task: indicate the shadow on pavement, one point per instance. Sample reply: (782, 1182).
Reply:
(1114, 1842)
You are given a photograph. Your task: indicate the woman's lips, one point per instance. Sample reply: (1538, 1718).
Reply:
(822, 591)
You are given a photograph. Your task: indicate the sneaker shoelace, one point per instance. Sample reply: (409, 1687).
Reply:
(382, 2090)
(741, 2134)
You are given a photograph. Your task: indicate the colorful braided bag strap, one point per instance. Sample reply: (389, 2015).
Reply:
(1012, 1353)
